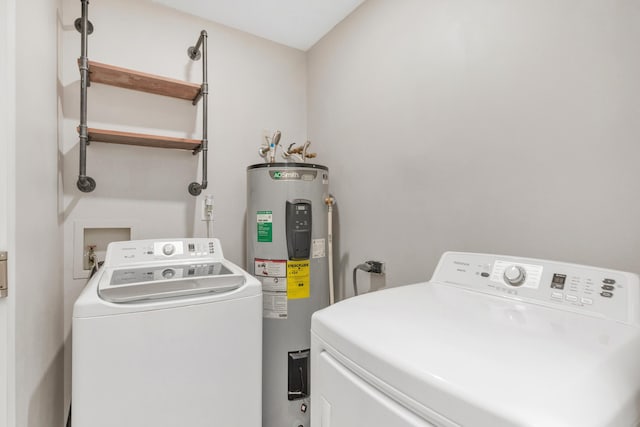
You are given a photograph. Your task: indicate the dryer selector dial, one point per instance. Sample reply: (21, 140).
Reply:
(515, 275)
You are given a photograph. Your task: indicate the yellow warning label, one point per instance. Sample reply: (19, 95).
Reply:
(298, 283)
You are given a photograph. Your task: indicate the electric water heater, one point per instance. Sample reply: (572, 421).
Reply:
(287, 251)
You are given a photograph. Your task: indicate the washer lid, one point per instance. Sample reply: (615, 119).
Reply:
(483, 360)
(142, 282)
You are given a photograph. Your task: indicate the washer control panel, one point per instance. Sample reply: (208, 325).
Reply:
(607, 293)
(145, 251)
(159, 273)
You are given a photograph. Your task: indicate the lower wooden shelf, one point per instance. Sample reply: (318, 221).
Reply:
(144, 140)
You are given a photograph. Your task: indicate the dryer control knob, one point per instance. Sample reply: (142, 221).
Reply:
(168, 249)
(515, 275)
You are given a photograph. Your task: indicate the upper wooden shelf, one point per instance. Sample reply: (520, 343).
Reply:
(135, 80)
(144, 140)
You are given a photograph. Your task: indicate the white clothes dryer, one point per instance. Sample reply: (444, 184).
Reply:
(490, 341)
(167, 333)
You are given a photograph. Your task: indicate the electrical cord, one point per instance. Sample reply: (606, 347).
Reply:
(374, 267)
(208, 214)
(209, 231)
(364, 267)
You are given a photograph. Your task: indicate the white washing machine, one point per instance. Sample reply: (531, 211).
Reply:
(490, 341)
(167, 333)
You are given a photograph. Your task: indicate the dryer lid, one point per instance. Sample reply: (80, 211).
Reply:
(483, 360)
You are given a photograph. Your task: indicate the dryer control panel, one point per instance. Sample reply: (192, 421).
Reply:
(606, 293)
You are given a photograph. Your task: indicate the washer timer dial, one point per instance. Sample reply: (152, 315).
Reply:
(168, 249)
(515, 275)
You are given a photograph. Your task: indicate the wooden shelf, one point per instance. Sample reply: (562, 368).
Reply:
(135, 80)
(144, 140)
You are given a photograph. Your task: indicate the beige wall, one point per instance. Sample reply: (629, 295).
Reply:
(493, 126)
(254, 84)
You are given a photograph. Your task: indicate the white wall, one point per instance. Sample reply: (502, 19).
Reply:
(7, 146)
(494, 126)
(36, 275)
(253, 85)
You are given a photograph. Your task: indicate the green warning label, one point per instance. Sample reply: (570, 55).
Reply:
(264, 220)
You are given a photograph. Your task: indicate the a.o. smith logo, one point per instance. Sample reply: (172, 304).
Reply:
(285, 175)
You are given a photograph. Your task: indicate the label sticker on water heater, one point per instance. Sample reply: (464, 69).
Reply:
(274, 284)
(298, 280)
(273, 275)
(274, 305)
(318, 248)
(264, 220)
(270, 267)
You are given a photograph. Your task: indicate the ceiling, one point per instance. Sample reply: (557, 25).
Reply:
(296, 23)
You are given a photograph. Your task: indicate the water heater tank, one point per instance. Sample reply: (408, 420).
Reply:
(287, 252)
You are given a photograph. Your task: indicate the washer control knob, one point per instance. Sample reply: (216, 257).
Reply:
(168, 273)
(168, 249)
(515, 275)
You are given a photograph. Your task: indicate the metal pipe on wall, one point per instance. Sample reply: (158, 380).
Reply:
(195, 54)
(85, 183)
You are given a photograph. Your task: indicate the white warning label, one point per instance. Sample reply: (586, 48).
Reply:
(273, 275)
(274, 305)
(270, 267)
(274, 284)
(318, 248)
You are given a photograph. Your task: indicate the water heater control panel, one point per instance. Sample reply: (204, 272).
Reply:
(298, 229)
(596, 291)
